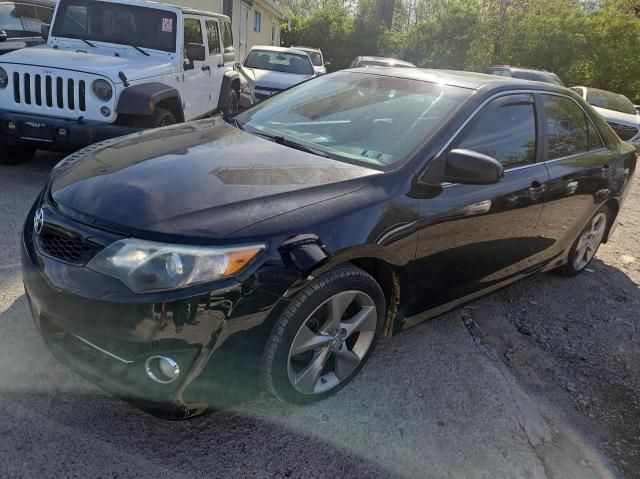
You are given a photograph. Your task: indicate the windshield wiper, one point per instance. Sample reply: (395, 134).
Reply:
(88, 42)
(140, 50)
(282, 140)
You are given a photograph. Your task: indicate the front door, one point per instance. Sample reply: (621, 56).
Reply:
(473, 237)
(195, 94)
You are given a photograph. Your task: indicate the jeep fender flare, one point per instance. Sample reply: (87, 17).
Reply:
(142, 100)
(227, 83)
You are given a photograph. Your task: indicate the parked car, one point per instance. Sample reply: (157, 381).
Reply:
(526, 74)
(616, 109)
(21, 23)
(360, 62)
(315, 54)
(111, 68)
(166, 264)
(269, 70)
(637, 107)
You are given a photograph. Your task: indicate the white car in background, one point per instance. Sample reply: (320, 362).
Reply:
(616, 109)
(268, 70)
(315, 54)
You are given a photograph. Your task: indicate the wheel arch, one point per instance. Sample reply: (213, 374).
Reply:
(142, 100)
(230, 80)
(614, 207)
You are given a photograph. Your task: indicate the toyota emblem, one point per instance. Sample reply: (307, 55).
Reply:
(38, 221)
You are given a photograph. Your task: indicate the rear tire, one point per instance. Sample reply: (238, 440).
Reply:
(587, 244)
(324, 336)
(15, 155)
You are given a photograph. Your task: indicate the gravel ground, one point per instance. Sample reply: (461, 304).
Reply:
(535, 381)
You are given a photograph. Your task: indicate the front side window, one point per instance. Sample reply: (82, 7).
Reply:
(117, 23)
(192, 31)
(566, 127)
(213, 37)
(506, 133)
(359, 118)
(20, 20)
(279, 62)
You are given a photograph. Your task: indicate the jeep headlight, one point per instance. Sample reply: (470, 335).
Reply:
(4, 78)
(245, 88)
(102, 89)
(146, 266)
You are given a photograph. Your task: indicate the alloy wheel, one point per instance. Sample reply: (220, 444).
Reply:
(590, 241)
(332, 342)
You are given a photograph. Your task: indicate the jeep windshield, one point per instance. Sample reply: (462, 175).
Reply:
(372, 120)
(279, 62)
(116, 23)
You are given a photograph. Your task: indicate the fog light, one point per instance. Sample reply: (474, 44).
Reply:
(12, 125)
(105, 110)
(62, 132)
(162, 369)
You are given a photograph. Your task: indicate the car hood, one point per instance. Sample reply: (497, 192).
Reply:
(99, 61)
(619, 117)
(201, 179)
(268, 78)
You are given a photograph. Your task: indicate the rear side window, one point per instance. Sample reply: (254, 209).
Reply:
(566, 125)
(227, 36)
(506, 133)
(213, 37)
(595, 141)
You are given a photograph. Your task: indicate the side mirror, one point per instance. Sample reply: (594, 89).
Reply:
(472, 168)
(44, 31)
(327, 63)
(195, 52)
(3, 36)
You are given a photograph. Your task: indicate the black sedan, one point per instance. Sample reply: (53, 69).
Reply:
(165, 265)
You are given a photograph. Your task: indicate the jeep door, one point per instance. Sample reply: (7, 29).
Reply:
(474, 237)
(214, 63)
(196, 89)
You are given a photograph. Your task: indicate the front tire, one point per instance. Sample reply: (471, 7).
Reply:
(160, 118)
(586, 245)
(324, 336)
(15, 155)
(230, 103)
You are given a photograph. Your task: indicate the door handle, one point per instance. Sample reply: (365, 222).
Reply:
(537, 188)
(206, 68)
(220, 65)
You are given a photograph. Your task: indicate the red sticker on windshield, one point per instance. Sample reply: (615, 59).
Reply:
(167, 25)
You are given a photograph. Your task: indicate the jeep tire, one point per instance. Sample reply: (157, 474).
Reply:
(161, 117)
(15, 155)
(230, 103)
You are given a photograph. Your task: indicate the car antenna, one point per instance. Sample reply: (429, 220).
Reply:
(123, 77)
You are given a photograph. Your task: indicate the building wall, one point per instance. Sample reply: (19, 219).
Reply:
(269, 21)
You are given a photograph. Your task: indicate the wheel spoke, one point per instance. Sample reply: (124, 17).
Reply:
(364, 320)
(337, 306)
(307, 378)
(307, 340)
(346, 362)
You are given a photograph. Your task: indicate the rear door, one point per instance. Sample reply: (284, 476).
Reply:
(476, 236)
(214, 63)
(580, 171)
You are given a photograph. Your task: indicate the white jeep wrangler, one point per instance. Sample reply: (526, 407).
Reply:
(110, 68)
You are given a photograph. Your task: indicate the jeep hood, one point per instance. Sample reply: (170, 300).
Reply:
(99, 61)
(268, 78)
(201, 179)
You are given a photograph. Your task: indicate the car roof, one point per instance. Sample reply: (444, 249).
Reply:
(464, 79)
(311, 49)
(384, 59)
(271, 48)
(182, 8)
(40, 3)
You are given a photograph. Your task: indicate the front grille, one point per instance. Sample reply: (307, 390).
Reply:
(51, 91)
(66, 247)
(623, 131)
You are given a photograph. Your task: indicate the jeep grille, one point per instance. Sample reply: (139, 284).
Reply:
(52, 91)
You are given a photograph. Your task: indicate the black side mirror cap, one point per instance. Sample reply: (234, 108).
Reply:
(44, 31)
(472, 168)
(196, 52)
(3, 36)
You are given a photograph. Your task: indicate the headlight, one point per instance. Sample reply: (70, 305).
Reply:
(102, 89)
(146, 266)
(4, 78)
(245, 88)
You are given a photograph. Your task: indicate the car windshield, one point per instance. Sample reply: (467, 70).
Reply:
(117, 23)
(279, 62)
(538, 76)
(610, 101)
(357, 117)
(22, 20)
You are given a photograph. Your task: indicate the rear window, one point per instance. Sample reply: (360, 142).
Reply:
(538, 76)
(610, 101)
(279, 62)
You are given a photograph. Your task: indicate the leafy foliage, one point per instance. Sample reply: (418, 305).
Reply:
(586, 42)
